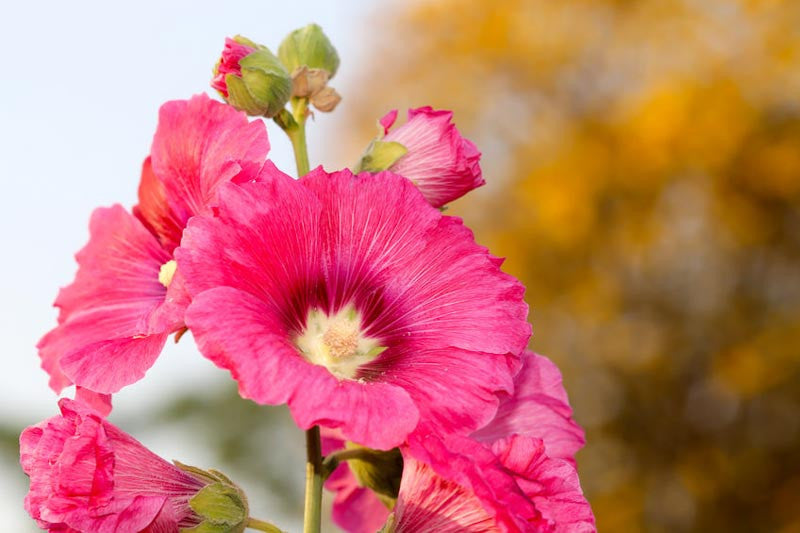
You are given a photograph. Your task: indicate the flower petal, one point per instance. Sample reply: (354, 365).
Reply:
(538, 408)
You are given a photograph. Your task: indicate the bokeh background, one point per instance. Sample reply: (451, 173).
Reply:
(642, 160)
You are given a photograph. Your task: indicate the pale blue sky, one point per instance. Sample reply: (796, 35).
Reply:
(82, 83)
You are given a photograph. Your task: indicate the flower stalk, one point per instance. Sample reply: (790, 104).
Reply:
(314, 480)
(261, 525)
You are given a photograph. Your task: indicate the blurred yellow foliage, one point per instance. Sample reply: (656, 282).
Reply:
(642, 161)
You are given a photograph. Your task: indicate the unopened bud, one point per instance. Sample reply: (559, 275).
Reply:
(309, 47)
(251, 78)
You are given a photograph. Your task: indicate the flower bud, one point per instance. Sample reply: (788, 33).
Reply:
(251, 78)
(309, 47)
(87, 475)
(428, 150)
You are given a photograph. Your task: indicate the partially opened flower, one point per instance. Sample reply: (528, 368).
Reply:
(127, 296)
(539, 409)
(428, 150)
(354, 301)
(458, 485)
(86, 475)
(250, 78)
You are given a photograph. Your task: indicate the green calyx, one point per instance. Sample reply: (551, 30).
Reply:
(264, 86)
(380, 155)
(379, 471)
(221, 504)
(309, 47)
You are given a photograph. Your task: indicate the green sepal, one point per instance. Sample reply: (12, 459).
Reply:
(380, 155)
(310, 47)
(379, 471)
(241, 39)
(220, 503)
(208, 527)
(240, 98)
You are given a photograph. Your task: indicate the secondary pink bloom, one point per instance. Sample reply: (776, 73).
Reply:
(539, 409)
(127, 296)
(443, 164)
(87, 475)
(232, 53)
(354, 301)
(460, 485)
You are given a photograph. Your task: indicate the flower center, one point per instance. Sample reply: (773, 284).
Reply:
(337, 342)
(167, 272)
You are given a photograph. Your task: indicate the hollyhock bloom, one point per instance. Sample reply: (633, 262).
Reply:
(539, 408)
(88, 475)
(443, 164)
(127, 296)
(354, 301)
(460, 485)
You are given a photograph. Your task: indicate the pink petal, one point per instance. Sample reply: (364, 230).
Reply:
(199, 144)
(552, 484)
(538, 408)
(94, 400)
(107, 366)
(355, 509)
(387, 120)
(153, 209)
(111, 300)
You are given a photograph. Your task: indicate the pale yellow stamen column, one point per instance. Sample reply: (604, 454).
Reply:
(167, 272)
(337, 342)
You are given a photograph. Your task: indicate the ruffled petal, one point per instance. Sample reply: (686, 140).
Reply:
(552, 485)
(538, 408)
(111, 299)
(199, 144)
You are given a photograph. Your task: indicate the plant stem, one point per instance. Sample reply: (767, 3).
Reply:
(260, 525)
(313, 506)
(335, 459)
(297, 135)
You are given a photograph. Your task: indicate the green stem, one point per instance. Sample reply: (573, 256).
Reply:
(260, 525)
(335, 459)
(297, 135)
(313, 506)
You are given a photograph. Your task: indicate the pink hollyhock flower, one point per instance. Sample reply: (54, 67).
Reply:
(88, 475)
(539, 408)
(232, 54)
(127, 296)
(354, 301)
(460, 485)
(443, 164)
